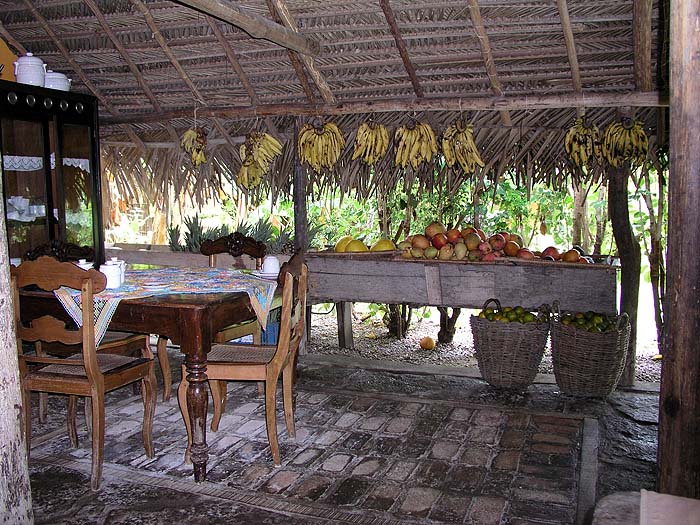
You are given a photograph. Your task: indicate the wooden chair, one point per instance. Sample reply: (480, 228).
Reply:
(121, 343)
(232, 362)
(87, 373)
(236, 245)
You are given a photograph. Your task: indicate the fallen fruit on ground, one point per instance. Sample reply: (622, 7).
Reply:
(427, 343)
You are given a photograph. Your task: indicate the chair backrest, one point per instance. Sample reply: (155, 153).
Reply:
(293, 279)
(48, 274)
(235, 244)
(61, 250)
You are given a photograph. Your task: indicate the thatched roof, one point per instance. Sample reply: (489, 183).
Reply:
(519, 70)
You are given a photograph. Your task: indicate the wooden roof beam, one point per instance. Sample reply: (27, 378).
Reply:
(571, 50)
(323, 87)
(630, 99)
(641, 36)
(401, 45)
(485, 44)
(236, 65)
(12, 40)
(256, 26)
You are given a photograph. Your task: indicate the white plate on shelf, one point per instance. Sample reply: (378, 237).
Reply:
(264, 275)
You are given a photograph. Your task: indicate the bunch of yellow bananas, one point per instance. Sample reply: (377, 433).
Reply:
(625, 141)
(582, 142)
(371, 142)
(257, 153)
(415, 143)
(320, 146)
(458, 146)
(193, 141)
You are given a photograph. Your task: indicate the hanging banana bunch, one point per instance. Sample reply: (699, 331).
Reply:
(193, 141)
(625, 141)
(458, 147)
(257, 153)
(415, 143)
(371, 142)
(320, 146)
(582, 143)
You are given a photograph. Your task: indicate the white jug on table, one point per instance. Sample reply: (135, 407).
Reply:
(113, 274)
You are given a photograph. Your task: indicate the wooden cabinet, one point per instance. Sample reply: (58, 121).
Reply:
(50, 168)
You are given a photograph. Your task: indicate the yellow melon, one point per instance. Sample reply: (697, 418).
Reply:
(356, 246)
(342, 243)
(383, 245)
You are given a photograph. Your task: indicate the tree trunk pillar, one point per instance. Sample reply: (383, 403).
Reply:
(679, 403)
(15, 494)
(630, 259)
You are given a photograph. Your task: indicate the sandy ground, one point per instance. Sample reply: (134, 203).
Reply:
(373, 342)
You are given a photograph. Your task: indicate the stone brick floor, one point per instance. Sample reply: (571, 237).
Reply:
(372, 446)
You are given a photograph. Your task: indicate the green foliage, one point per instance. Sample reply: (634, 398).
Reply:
(194, 235)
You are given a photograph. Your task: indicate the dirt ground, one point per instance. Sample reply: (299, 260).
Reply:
(373, 342)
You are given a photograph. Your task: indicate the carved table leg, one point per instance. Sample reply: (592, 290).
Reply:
(197, 399)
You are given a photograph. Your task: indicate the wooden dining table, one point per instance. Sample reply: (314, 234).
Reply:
(189, 320)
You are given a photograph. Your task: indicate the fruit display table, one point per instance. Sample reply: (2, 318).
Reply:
(387, 278)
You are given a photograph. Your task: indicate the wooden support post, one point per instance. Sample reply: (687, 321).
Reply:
(630, 259)
(679, 403)
(344, 312)
(301, 223)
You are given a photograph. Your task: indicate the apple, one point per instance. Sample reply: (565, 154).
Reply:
(420, 241)
(467, 230)
(434, 228)
(454, 235)
(552, 252)
(439, 240)
(485, 247)
(472, 240)
(524, 253)
(511, 248)
(481, 234)
(497, 241)
(489, 257)
(474, 255)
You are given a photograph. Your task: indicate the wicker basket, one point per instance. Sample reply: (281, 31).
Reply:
(508, 354)
(589, 364)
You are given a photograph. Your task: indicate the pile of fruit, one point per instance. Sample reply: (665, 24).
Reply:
(348, 244)
(511, 314)
(472, 244)
(589, 321)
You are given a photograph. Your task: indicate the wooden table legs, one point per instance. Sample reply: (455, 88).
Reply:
(197, 401)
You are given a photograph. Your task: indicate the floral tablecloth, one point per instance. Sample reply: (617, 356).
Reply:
(164, 281)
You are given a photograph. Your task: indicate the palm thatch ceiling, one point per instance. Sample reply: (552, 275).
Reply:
(520, 71)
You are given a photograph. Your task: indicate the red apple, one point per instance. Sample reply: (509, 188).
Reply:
(467, 230)
(481, 234)
(485, 247)
(434, 228)
(420, 241)
(454, 235)
(552, 252)
(516, 238)
(524, 253)
(439, 240)
(497, 241)
(489, 257)
(511, 248)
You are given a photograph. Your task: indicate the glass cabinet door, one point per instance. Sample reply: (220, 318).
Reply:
(24, 161)
(74, 196)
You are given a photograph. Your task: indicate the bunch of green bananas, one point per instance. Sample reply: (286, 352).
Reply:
(582, 142)
(193, 141)
(320, 146)
(257, 153)
(371, 142)
(625, 141)
(415, 143)
(458, 146)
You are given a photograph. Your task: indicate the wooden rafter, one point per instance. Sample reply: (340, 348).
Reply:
(78, 70)
(294, 59)
(256, 26)
(571, 50)
(632, 99)
(401, 46)
(487, 54)
(641, 33)
(11, 40)
(236, 65)
(323, 87)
